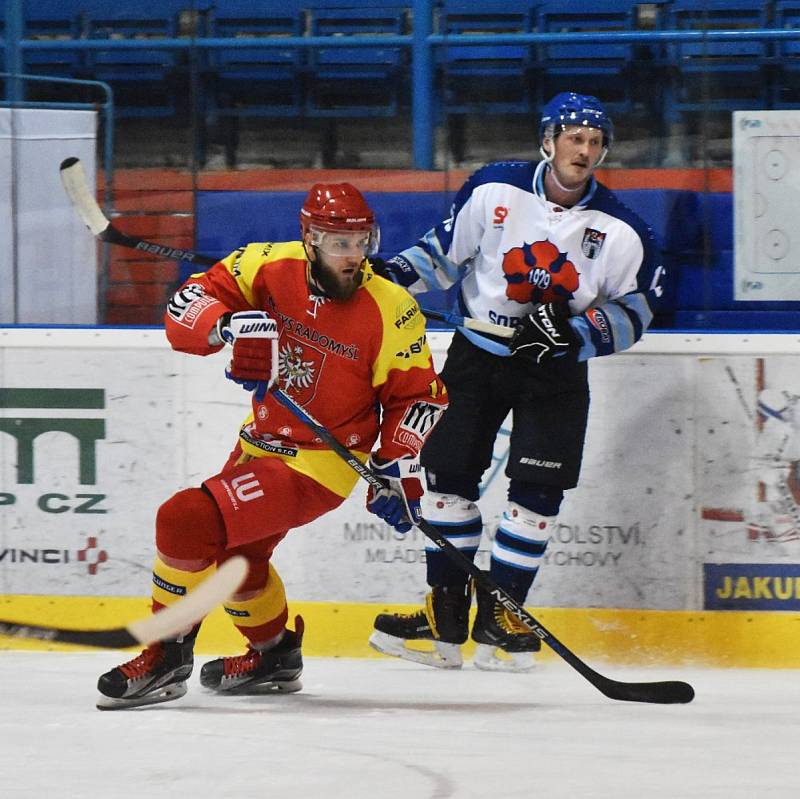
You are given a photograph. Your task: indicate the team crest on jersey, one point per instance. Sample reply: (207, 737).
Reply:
(592, 242)
(299, 367)
(538, 272)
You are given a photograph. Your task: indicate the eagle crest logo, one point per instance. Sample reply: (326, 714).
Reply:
(295, 372)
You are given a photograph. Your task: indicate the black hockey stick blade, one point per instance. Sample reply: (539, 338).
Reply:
(662, 693)
(73, 178)
(167, 623)
(669, 692)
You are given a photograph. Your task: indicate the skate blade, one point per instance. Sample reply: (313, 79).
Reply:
(443, 656)
(166, 694)
(272, 687)
(289, 684)
(492, 658)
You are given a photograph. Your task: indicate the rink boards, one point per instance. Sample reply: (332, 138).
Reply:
(656, 556)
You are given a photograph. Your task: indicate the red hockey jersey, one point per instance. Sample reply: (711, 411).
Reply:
(362, 366)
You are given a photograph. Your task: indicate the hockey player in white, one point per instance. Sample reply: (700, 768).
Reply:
(777, 462)
(546, 249)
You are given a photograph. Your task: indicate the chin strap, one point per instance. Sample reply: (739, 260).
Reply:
(561, 186)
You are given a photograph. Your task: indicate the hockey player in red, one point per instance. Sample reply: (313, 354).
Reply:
(350, 348)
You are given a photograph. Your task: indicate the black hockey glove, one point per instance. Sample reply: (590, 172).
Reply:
(397, 269)
(379, 267)
(546, 333)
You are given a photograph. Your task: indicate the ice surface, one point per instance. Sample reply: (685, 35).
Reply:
(388, 729)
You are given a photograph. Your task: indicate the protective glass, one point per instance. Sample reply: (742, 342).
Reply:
(346, 243)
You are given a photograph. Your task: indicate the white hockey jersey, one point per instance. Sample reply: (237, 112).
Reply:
(511, 248)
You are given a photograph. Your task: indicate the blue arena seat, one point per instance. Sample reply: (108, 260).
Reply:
(488, 78)
(715, 75)
(52, 20)
(358, 81)
(785, 86)
(146, 81)
(597, 67)
(256, 81)
(242, 82)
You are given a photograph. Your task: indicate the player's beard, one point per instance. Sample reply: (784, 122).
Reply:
(332, 283)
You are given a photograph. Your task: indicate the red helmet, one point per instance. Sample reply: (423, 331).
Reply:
(338, 207)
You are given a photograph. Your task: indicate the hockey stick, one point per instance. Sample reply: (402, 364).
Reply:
(73, 179)
(165, 624)
(670, 692)
(656, 692)
(471, 324)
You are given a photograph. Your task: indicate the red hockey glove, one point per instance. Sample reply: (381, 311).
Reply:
(254, 362)
(398, 501)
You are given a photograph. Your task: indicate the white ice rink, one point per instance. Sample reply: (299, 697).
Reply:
(388, 729)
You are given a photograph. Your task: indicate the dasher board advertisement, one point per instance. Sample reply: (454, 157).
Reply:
(99, 427)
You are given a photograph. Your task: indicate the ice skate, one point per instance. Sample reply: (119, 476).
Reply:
(256, 671)
(444, 621)
(157, 675)
(503, 642)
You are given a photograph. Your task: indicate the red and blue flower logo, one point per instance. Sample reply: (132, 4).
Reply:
(538, 272)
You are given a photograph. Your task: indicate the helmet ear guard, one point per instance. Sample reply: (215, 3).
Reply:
(548, 135)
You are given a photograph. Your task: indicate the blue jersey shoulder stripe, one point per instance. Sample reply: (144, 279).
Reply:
(513, 173)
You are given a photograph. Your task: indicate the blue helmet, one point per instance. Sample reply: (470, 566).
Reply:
(570, 108)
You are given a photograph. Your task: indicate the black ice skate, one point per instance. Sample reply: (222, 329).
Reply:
(159, 674)
(444, 620)
(275, 669)
(504, 643)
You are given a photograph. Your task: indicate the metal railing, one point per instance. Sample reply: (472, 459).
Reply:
(106, 107)
(422, 43)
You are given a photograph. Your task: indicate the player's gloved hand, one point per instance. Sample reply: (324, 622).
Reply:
(379, 267)
(545, 333)
(397, 503)
(397, 269)
(254, 361)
